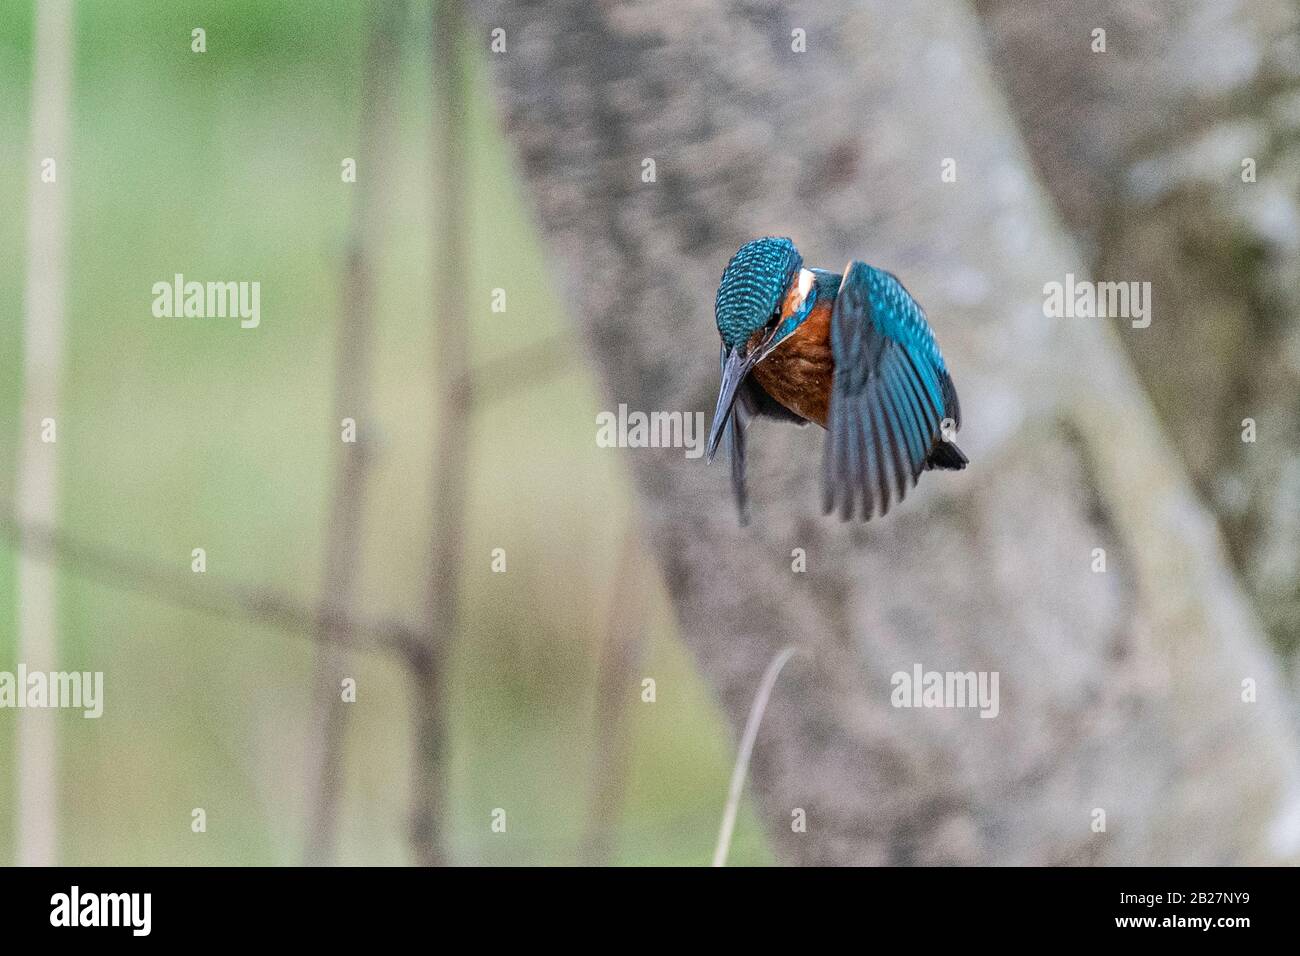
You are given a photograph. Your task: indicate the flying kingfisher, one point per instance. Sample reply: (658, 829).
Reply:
(853, 353)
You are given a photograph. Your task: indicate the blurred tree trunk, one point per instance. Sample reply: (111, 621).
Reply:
(326, 747)
(1121, 690)
(36, 500)
(453, 387)
(1174, 155)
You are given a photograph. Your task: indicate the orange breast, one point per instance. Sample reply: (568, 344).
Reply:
(798, 373)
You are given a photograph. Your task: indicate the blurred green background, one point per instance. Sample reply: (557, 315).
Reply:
(183, 433)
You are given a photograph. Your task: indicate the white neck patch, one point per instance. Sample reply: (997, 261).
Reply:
(804, 285)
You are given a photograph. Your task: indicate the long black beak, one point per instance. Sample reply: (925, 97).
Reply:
(735, 366)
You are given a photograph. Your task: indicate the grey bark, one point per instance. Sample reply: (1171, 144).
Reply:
(1142, 148)
(1119, 691)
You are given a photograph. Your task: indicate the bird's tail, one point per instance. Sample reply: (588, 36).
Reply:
(946, 456)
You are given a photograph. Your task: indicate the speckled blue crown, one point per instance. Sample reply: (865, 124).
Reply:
(752, 286)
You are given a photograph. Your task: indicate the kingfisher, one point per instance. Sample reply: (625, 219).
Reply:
(853, 353)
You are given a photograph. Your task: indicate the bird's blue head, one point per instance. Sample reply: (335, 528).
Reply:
(766, 290)
(753, 287)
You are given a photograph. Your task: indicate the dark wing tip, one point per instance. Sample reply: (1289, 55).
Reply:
(734, 437)
(947, 457)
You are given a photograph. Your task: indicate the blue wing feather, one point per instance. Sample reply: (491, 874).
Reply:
(890, 395)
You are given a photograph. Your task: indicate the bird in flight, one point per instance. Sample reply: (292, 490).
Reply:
(853, 353)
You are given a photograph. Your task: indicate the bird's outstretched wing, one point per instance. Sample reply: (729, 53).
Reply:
(889, 398)
(751, 401)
